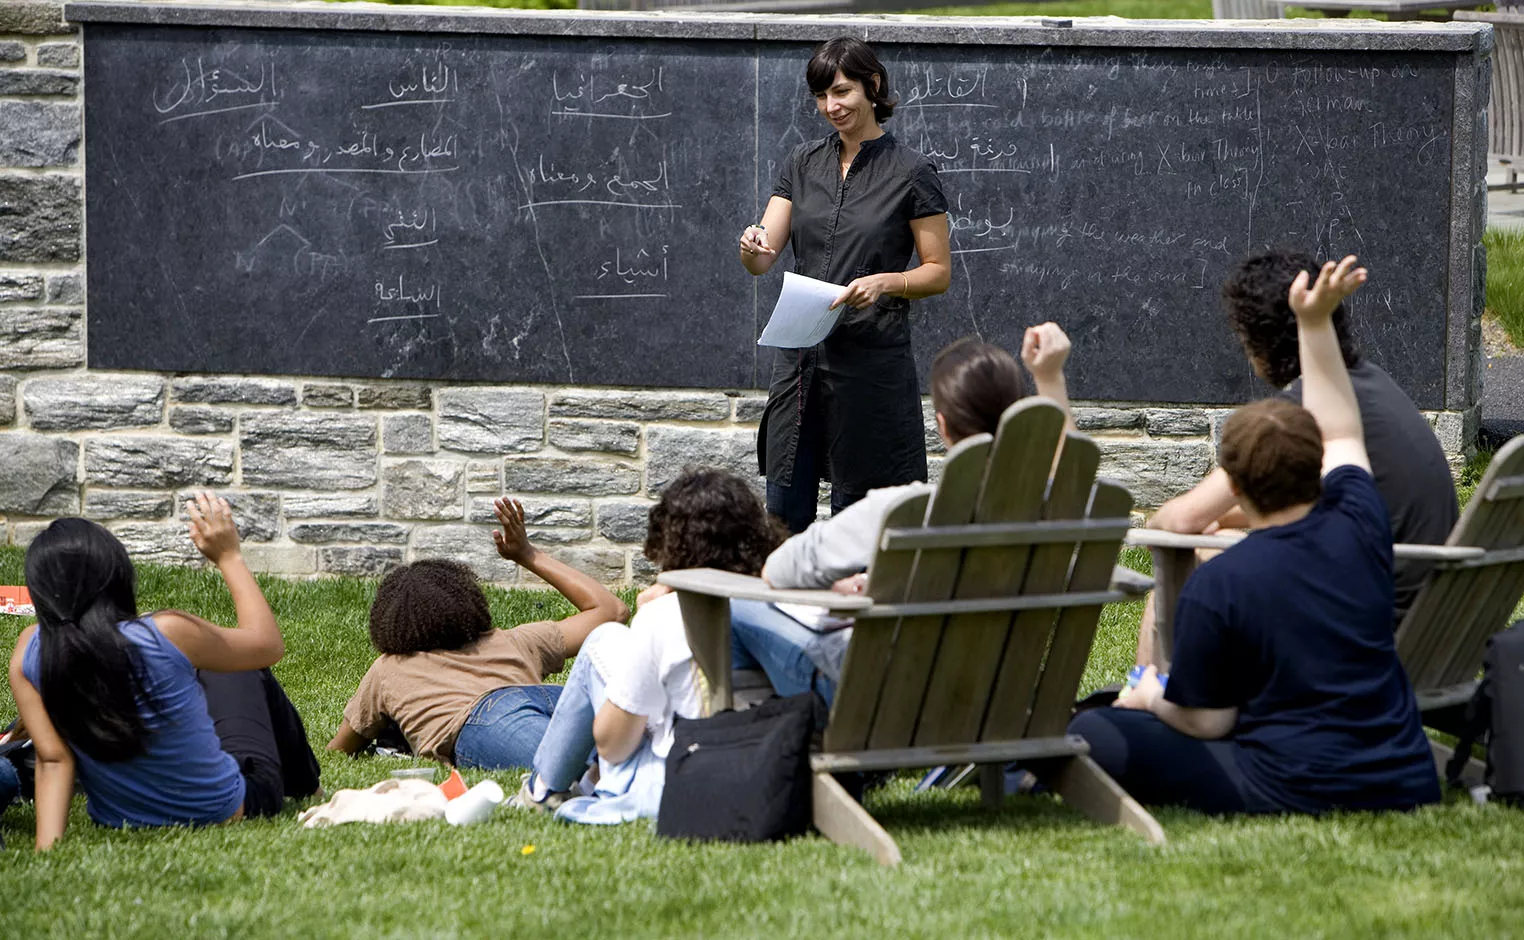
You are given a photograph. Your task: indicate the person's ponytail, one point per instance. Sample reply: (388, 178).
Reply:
(90, 676)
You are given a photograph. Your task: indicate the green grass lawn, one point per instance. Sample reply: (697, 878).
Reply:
(1505, 281)
(1034, 868)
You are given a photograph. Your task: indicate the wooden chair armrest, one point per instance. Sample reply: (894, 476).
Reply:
(1158, 538)
(1436, 552)
(714, 583)
(1130, 582)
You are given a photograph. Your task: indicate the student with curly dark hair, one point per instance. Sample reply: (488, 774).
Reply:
(460, 690)
(628, 686)
(1408, 463)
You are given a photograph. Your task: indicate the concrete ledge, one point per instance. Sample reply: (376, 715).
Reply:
(1361, 35)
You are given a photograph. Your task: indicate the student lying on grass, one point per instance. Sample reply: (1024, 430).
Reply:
(166, 718)
(1407, 462)
(628, 684)
(460, 690)
(972, 384)
(1285, 694)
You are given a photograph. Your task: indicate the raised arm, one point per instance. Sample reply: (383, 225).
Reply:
(255, 642)
(1326, 389)
(1044, 350)
(596, 604)
(55, 762)
(762, 244)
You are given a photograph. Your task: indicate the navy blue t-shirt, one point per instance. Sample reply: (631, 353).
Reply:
(1293, 627)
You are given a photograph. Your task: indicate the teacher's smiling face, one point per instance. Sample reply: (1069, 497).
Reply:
(847, 107)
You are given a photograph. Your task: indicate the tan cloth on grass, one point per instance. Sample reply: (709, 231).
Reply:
(430, 694)
(387, 801)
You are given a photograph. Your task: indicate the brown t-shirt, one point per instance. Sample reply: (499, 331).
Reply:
(430, 694)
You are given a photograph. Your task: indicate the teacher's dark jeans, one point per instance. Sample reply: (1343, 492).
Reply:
(796, 502)
(257, 724)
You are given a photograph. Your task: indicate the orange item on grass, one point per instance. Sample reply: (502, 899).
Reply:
(16, 601)
(453, 786)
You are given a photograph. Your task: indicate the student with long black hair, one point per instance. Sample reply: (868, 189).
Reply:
(166, 719)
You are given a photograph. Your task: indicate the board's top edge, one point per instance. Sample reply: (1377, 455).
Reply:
(1300, 34)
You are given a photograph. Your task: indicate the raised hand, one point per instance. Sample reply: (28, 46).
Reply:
(1045, 349)
(1315, 304)
(512, 540)
(211, 527)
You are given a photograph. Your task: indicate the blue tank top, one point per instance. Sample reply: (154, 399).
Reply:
(184, 777)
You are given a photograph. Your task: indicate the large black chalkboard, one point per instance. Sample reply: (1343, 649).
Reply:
(564, 209)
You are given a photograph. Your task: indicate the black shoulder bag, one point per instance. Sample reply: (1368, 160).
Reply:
(741, 776)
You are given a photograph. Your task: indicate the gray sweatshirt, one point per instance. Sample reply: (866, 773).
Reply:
(834, 548)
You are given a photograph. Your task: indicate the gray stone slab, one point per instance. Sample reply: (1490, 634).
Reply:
(15, 285)
(92, 401)
(40, 218)
(67, 289)
(201, 419)
(623, 522)
(58, 55)
(8, 384)
(38, 82)
(33, 18)
(586, 476)
(38, 475)
(12, 51)
(132, 462)
(407, 434)
(325, 395)
(358, 561)
(157, 542)
(422, 489)
(126, 504)
(308, 450)
(670, 449)
(613, 437)
(39, 134)
(257, 515)
(1087, 31)
(41, 338)
(491, 420)
(363, 532)
(329, 506)
(233, 391)
(410, 397)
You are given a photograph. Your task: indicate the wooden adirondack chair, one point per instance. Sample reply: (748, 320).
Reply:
(973, 632)
(1443, 638)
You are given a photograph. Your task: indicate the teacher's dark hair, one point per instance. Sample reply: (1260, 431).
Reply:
(90, 676)
(854, 59)
(972, 384)
(1259, 312)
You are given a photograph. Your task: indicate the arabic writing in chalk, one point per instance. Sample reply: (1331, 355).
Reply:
(402, 293)
(194, 88)
(642, 265)
(598, 96)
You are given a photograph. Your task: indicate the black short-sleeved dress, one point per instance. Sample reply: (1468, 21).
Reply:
(862, 377)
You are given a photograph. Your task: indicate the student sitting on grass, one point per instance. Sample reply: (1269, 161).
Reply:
(972, 384)
(1286, 694)
(1407, 462)
(628, 685)
(460, 690)
(168, 719)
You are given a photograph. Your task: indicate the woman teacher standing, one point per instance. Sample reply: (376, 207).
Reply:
(854, 205)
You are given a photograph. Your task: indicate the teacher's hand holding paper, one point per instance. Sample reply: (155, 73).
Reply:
(805, 313)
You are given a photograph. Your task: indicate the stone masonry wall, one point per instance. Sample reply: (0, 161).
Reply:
(352, 477)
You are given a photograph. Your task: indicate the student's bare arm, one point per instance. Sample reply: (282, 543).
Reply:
(255, 642)
(1044, 350)
(347, 739)
(1326, 389)
(617, 733)
(761, 245)
(55, 762)
(1208, 724)
(1192, 512)
(596, 603)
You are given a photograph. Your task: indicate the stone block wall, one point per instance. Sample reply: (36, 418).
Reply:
(352, 477)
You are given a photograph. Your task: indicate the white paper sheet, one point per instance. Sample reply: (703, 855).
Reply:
(803, 315)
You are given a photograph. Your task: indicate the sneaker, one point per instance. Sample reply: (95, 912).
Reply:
(533, 795)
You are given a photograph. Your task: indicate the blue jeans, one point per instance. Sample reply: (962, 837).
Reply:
(795, 658)
(10, 783)
(567, 746)
(506, 726)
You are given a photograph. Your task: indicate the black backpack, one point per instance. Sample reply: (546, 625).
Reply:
(741, 776)
(1495, 718)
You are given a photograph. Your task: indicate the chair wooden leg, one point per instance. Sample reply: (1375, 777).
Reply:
(1472, 775)
(843, 820)
(992, 785)
(1086, 787)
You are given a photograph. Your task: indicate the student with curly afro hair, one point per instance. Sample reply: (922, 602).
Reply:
(460, 690)
(1410, 468)
(628, 686)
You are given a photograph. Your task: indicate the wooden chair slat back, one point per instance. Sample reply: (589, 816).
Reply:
(1445, 631)
(1075, 633)
(1030, 631)
(968, 653)
(867, 659)
(933, 577)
